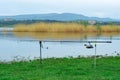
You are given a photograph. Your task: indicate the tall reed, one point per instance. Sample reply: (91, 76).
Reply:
(64, 27)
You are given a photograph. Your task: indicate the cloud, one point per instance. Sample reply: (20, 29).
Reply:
(99, 14)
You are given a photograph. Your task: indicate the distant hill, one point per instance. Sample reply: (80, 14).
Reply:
(55, 16)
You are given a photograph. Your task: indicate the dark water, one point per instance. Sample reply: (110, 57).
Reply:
(14, 46)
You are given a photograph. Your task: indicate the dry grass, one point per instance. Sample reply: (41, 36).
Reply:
(64, 27)
(108, 28)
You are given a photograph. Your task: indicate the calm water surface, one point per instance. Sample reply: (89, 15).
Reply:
(26, 45)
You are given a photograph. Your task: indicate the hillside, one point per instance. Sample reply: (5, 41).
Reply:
(55, 16)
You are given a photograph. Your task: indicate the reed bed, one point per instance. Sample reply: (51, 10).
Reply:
(64, 27)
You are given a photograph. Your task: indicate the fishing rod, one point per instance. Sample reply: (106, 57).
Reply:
(70, 41)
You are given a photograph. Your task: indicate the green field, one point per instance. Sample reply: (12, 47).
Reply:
(107, 68)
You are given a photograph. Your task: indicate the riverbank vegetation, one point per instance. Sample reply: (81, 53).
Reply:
(107, 68)
(11, 23)
(65, 27)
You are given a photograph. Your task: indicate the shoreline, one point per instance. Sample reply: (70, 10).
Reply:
(23, 59)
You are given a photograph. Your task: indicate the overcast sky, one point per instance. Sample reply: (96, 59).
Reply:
(94, 8)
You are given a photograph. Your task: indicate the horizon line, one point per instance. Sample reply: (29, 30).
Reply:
(7, 15)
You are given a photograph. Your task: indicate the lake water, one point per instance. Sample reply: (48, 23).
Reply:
(24, 45)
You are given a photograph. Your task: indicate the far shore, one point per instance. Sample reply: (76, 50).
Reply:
(6, 29)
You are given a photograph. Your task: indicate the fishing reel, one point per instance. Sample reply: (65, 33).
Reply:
(89, 46)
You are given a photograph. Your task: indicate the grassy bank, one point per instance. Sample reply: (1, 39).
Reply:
(65, 27)
(62, 69)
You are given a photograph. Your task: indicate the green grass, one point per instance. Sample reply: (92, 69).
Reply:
(62, 69)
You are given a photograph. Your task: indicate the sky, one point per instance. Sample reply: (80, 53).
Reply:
(91, 8)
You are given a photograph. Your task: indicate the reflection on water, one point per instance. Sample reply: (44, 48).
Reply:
(38, 35)
(12, 46)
